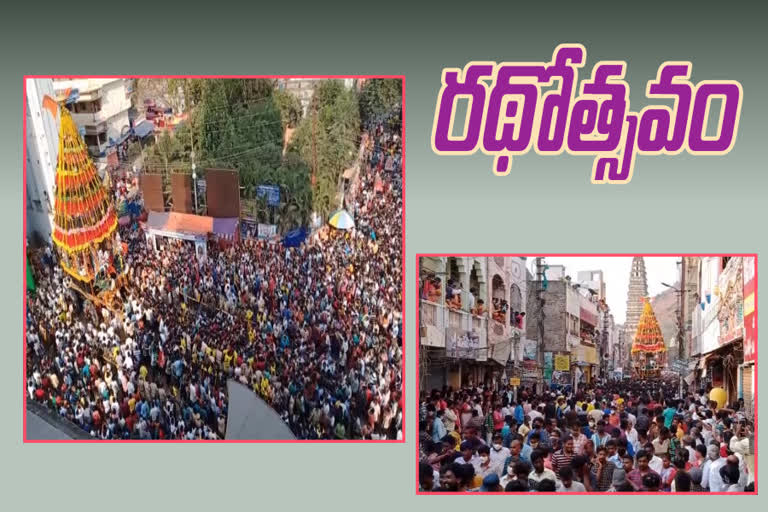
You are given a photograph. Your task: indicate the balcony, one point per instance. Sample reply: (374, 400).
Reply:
(436, 319)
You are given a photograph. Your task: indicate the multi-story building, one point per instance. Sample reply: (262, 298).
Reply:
(453, 346)
(718, 327)
(42, 141)
(507, 300)
(747, 368)
(100, 108)
(585, 355)
(620, 352)
(472, 334)
(555, 272)
(605, 342)
(592, 279)
(566, 315)
(689, 285)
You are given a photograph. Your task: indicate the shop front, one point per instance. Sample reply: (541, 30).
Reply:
(584, 363)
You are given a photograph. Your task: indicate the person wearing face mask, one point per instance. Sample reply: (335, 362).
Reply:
(534, 441)
(499, 453)
(540, 432)
(508, 475)
(519, 452)
(484, 466)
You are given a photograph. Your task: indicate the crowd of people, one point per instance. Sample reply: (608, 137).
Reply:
(314, 330)
(430, 287)
(619, 437)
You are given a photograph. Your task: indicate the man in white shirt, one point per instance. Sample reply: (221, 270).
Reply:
(539, 472)
(484, 465)
(716, 483)
(655, 462)
(536, 413)
(498, 452)
(567, 483)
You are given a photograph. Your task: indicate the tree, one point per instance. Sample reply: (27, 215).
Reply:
(331, 133)
(381, 96)
(168, 150)
(239, 124)
(296, 193)
(290, 108)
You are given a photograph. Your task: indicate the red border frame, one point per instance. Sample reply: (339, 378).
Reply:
(586, 255)
(182, 441)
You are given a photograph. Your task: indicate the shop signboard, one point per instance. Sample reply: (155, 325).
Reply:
(562, 363)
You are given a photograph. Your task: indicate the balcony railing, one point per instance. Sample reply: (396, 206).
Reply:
(441, 318)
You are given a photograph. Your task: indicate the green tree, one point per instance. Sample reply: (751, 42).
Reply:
(165, 154)
(239, 124)
(290, 108)
(296, 193)
(329, 135)
(381, 96)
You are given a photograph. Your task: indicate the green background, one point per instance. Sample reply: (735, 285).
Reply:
(454, 204)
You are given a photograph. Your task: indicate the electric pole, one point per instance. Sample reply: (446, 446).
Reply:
(194, 167)
(314, 143)
(540, 268)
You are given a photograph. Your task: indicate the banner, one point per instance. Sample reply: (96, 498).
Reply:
(562, 363)
(548, 366)
(30, 278)
(270, 192)
(462, 344)
(267, 230)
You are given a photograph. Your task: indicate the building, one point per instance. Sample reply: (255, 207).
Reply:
(606, 342)
(555, 272)
(592, 279)
(42, 141)
(100, 108)
(472, 323)
(748, 373)
(636, 294)
(719, 329)
(689, 284)
(565, 316)
(618, 351)
(507, 299)
(453, 347)
(584, 355)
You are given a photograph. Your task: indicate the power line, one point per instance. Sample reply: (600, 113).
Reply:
(161, 163)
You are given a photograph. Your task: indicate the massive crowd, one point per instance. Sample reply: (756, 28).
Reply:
(620, 437)
(314, 330)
